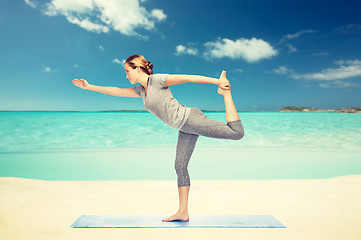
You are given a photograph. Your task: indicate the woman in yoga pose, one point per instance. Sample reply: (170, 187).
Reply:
(191, 122)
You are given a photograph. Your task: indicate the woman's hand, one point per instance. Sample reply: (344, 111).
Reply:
(82, 83)
(223, 81)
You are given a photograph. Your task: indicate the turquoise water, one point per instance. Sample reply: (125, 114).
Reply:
(21, 131)
(131, 146)
(158, 164)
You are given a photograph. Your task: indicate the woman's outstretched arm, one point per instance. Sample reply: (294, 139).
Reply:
(114, 91)
(178, 79)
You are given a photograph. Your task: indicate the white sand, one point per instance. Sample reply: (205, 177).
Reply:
(311, 209)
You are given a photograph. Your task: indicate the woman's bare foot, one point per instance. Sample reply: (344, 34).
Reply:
(179, 216)
(222, 91)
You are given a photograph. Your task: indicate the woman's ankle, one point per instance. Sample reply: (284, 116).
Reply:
(183, 211)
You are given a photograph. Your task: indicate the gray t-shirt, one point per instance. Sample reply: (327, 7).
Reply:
(161, 103)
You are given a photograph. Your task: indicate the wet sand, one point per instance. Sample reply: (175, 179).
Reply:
(310, 208)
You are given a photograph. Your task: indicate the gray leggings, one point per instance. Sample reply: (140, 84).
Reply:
(199, 124)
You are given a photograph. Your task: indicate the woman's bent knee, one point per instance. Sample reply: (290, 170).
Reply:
(240, 135)
(238, 128)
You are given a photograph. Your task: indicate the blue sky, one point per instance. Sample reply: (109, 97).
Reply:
(276, 53)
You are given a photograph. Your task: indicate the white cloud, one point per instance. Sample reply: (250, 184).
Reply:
(320, 54)
(117, 61)
(298, 34)
(350, 29)
(251, 50)
(100, 16)
(291, 48)
(48, 69)
(282, 70)
(77, 66)
(30, 3)
(330, 77)
(158, 14)
(338, 84)
(180, 49)
(344, 70)
(87, 24)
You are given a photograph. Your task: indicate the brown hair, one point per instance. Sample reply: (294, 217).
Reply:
(138, 60)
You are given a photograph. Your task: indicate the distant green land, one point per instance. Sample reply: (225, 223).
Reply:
(310, 109)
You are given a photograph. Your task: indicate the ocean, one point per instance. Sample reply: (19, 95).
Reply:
(137, 145)
(20, 131)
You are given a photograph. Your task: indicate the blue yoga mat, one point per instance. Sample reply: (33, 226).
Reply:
(155, 221)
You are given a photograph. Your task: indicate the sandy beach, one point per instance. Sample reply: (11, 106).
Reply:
(310, 208)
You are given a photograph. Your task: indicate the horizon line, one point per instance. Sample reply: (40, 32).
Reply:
(116, 111)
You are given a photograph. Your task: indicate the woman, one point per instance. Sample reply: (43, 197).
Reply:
(191, 122)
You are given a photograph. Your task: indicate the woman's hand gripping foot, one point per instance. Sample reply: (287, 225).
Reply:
(224, 85)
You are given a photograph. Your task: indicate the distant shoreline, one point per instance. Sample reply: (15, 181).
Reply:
(309, 109)
(284, 109)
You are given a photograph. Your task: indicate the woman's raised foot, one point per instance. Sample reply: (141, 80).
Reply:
(223, 92)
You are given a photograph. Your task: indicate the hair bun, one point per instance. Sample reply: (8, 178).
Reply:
(138, 60)
(149, 65)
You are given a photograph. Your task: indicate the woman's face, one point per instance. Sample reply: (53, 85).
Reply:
(132, 74)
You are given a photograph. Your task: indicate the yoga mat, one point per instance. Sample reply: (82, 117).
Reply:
(155, 221)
